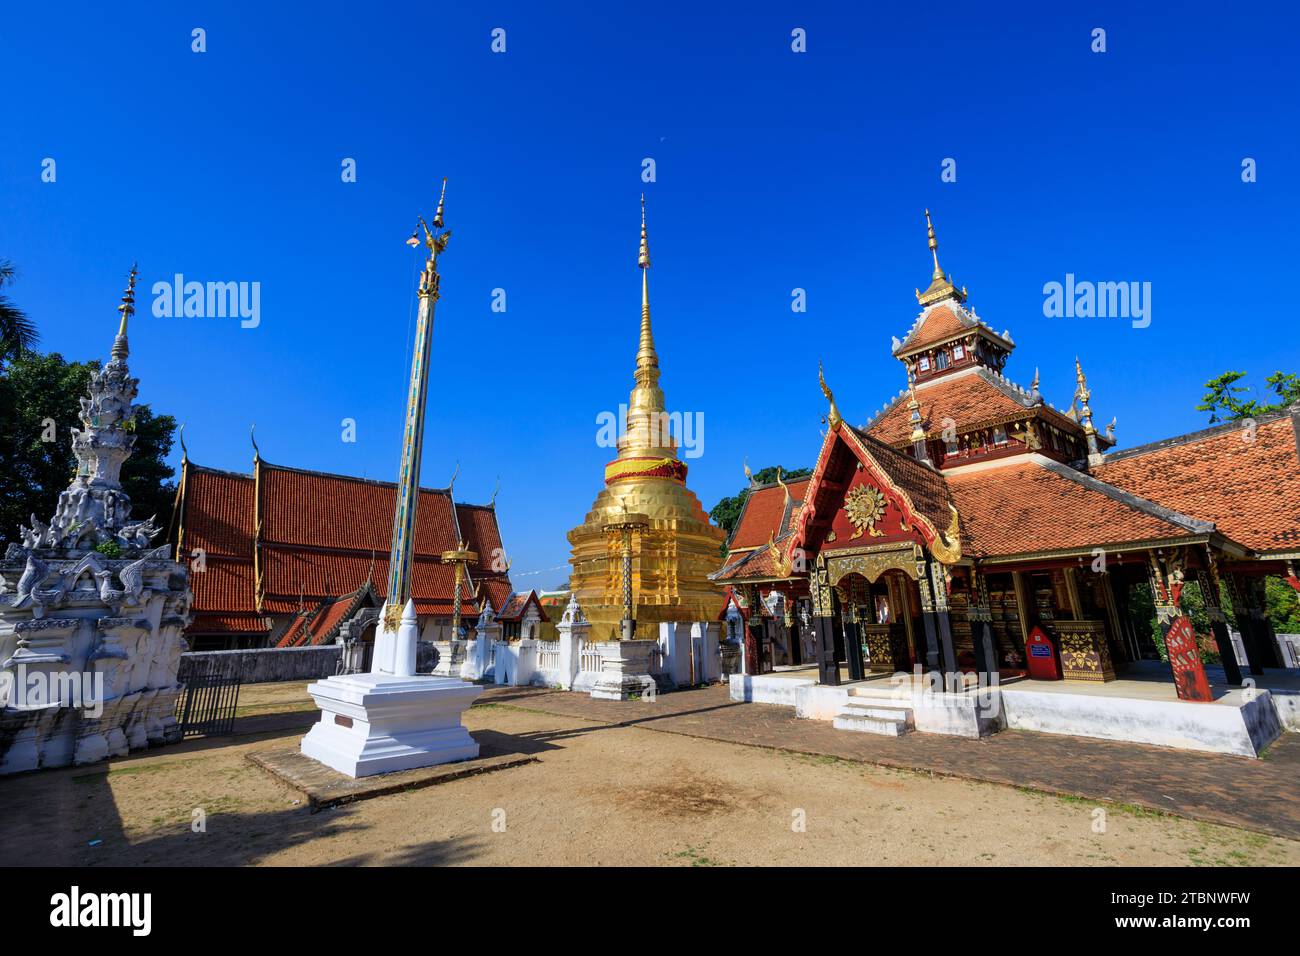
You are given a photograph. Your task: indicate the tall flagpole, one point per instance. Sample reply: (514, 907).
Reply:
(408, 476)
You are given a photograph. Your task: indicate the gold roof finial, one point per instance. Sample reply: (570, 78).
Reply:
(833, 418)
(1083, 394)
(646, 357)
(437, 216)
(644, 259)
(647, 431)
(749, 474)
(940, 286)
(934, 246)
(784, 486)
(127, 308)
(914, 406)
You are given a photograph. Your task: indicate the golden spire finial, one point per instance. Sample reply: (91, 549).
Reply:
(643, 260)
(934, 246)
(127, 308)
(833, 418)
(646, 357)
(940, 286)
(437, 216)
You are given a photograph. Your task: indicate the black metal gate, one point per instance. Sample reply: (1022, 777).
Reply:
(206, 705)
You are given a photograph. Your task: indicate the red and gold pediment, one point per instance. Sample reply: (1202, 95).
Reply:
(864, 493)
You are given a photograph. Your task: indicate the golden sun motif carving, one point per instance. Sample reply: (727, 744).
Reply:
(864, 506)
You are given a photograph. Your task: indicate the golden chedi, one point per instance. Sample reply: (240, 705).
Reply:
(675, 550)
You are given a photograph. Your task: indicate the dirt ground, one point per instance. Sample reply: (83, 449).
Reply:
(597, 795)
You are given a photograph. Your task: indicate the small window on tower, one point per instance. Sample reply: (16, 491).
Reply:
(958, 353)
(941, 360)
(924, 363)
(999, 435)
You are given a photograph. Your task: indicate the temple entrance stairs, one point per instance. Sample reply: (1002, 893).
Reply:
(874, 715)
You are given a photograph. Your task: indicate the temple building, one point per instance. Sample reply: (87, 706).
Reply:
(972, 527)
(284, 556)
(645, 510)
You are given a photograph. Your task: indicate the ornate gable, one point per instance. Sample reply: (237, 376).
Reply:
(863, 492)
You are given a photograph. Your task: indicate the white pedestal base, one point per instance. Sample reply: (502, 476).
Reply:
(380, 723)
(624, 672)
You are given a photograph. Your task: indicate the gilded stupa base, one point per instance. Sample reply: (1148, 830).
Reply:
(671, 560)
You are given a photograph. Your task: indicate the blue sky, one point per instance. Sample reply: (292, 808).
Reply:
(775, 170)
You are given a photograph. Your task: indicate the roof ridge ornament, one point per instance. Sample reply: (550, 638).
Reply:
(946, 546)
(1084, 395)
(833, 418)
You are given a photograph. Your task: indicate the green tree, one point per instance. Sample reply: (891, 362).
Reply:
(1283, 606)
(17, 331)
(38, 409)
(726, 512)
(1225, 402)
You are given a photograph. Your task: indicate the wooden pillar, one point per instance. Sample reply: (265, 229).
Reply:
(1166, 573)
(1208, 579)
(828, 668)
(1112, 617)
(1023, 611)
(852, 636)
(943, 624)
(754, 634)
(1261, 645)
(933, 659)
(903, 611)
(981, 626)
(1072, 592)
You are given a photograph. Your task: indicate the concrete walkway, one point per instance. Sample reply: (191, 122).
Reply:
(1261, 795)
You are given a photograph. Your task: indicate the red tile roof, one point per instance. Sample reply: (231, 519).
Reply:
(219, 508)
(228, 624)
(969, 399)
(751, 565)
(761, 517)
(320, 510)
(497, 590)
(322, 536)
(1247, 483)
(939, 324)
(1029, 507)
(227, 586)
(517, 605)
